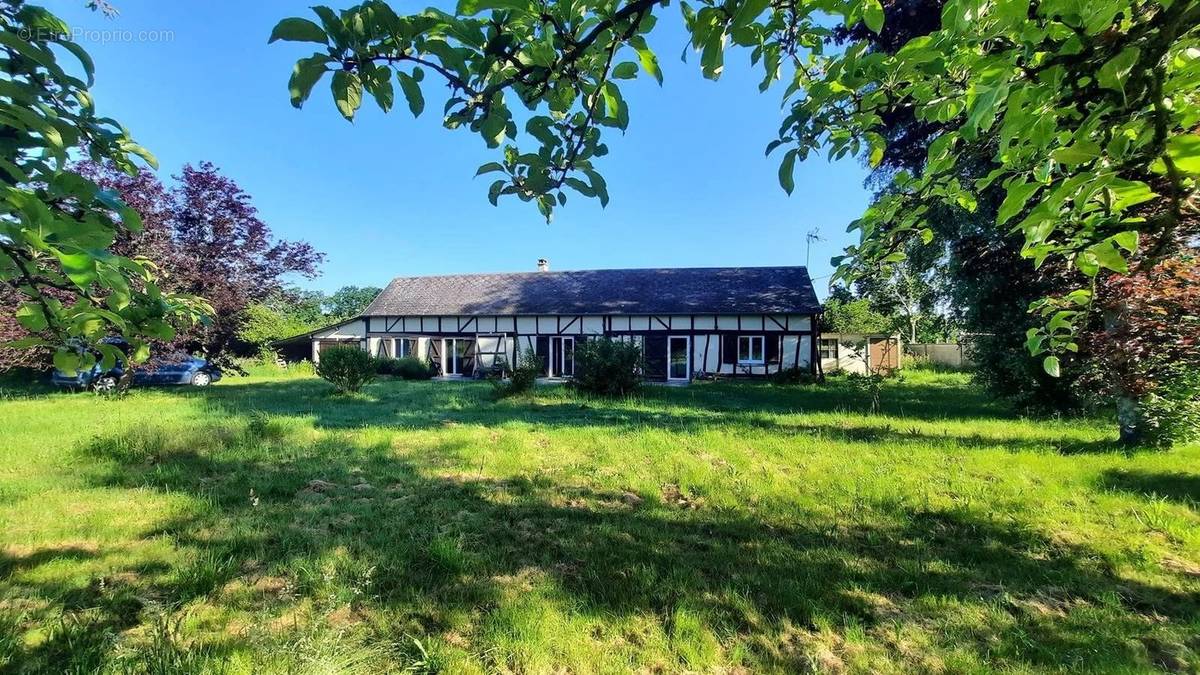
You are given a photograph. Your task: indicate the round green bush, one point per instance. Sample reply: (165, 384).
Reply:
(346, 368)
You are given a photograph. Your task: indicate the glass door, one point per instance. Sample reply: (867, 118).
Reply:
(679, 365)
(562, 356)
(457, 357)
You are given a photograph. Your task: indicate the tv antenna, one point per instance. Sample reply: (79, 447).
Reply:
(813, 235)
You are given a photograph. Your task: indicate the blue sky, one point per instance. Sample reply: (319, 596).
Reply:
(389, 195)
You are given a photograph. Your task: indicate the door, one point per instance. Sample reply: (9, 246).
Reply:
(562, 356)
(679, 358)
(457, 356)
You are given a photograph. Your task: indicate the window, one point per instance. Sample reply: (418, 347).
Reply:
(829, 348)
(750, 349)
(405, 347)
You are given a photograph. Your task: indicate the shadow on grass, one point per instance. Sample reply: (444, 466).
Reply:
(701, 407)
(1183, 488)
(422, 403)
(386, 535)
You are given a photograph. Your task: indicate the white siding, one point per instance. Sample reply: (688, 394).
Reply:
(593, 324)
(350, 329)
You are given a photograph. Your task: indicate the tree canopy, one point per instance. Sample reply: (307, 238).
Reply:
(1087, 109)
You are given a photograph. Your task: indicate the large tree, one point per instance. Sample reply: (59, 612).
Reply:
(1087, 109)
(210, 242)
(348, 301)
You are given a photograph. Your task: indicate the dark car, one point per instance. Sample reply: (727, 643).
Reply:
(166, 369)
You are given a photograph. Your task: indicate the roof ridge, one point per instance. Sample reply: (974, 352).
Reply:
(601, 269)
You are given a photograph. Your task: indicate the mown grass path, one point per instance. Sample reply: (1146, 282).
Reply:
(269, 526)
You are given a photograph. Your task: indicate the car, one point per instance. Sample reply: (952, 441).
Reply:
(165, 369)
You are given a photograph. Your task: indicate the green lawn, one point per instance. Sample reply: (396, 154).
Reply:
(268, 526)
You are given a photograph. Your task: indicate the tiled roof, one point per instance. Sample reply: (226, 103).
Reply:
(698, 290)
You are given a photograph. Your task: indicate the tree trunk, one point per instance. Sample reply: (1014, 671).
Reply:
(1129, 420)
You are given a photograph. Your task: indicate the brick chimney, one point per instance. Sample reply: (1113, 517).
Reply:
(543, 265)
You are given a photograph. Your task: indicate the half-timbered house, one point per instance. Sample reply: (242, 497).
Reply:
(690, 322)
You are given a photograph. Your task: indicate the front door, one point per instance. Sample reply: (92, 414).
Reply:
(679, 358)
(562, 356)
(457, 356)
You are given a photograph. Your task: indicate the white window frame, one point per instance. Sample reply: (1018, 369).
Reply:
(557, 361)
(762, 350)
(828, 348)
(687, 340)
(396, 344)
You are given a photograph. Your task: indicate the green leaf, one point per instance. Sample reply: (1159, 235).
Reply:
(489, 168)
(110, 356)
(1126, 240)
(787, 169)
(712, 56)
(305, 75)
(1184, 151)
(612, 99)
(31, 317)
(85, 59)
(492, 129)
(1051, 365)
(599, 186)
(647, 58)
(157, 328)
(1077, 153)
(1127, 193)
(494, 191)
(66, 361)
(380, 86)
(347, 93)
(1107, 255)
(412, 92)
(1112, 75)
(748, 11)
(472, 7)
(80, 268)
(1014, 201)
(873, 15)
(1033, 341)
(298, 30)
(625, 71)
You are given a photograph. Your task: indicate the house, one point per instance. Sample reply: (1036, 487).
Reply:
(860, 353)
(690, 322)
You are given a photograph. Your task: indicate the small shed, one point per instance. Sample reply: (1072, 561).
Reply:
(860, 353)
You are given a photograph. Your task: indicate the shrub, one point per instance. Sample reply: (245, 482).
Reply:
(793, 375)
(407, 368)
(268, 364)
(346, 368)
(1170, 413)
(607, 367)
(523, 377)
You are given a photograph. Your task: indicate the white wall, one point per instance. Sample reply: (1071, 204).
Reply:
(527, 328)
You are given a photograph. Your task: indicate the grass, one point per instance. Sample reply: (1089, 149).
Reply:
(265, 525)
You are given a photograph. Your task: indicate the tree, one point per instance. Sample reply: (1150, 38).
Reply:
(349, 301)
(1148, 352)
(211, 243)
(276, 318)
(1085, 109)
(910, 293)
(57, 227)
(853, 316)
(984, 284)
